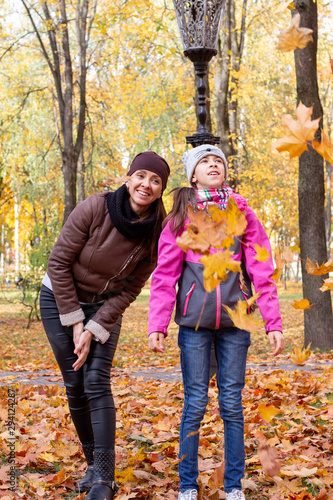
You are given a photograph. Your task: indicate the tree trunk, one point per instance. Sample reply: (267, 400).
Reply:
(60, 63)
(81, 178)
(318, 319)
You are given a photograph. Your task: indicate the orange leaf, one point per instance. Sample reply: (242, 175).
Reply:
(268, 458)
(328, 285)
(324, 148)
(294, 37)
(299, 355)
(262, 254)
(216, 479)
(297, 132)
(314, 269)
(301, 304)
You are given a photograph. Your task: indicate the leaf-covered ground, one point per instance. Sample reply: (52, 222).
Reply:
(297, 406)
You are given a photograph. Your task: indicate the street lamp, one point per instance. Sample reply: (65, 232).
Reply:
(199, 25)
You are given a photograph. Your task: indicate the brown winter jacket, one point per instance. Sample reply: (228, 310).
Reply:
(92, 258)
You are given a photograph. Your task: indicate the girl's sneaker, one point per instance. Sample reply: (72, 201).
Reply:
(235, 495)
(188, 495)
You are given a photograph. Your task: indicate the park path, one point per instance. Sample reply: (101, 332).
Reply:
(47, 377)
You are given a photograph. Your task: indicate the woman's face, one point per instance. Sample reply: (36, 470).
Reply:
(144, 187)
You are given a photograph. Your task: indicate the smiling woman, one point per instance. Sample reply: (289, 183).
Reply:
(105, 253)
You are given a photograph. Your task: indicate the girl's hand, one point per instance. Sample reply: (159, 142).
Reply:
(82, 349)
(77, 332)
(277, 341)
(156, 341)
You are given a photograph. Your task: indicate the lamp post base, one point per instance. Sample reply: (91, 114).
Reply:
(198, 139)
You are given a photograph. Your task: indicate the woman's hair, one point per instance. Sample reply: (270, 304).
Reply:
(182, 198)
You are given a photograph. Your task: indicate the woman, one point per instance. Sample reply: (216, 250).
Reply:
(105, 253)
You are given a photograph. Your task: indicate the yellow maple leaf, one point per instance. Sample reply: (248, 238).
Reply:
(317, 270)
(301, 304)
(242, 319)
(294, 37)
(328, 285)
(267, 412)
(230, 223)
(325, 147)
(300, 355)
(261, 253)
(216, 267)
(297, 132)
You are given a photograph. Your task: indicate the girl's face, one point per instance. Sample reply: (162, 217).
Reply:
(144, 187)
(209, 173)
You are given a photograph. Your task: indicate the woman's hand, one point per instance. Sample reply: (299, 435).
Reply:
(156, 341)
(277, 341)
(82, 349)
(77, 332)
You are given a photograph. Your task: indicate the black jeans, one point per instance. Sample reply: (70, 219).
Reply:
(88, 390)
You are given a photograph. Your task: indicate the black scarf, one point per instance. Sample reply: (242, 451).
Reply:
(125, 220)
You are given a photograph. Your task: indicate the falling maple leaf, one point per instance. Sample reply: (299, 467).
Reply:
(289, 4)
(288, 255)
(268, 458)
(279, 265)
(324, 148)
(261, 253)
(331, 62)
(241, 318)
(297, 132)
(294, 37)
(267, 411)
(301, 304)
(216, 267)
(317, 270)
(328, 285)
(213, 228)
(300, 355)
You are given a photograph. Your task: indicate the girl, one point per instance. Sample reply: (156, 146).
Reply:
(206, 170)
(105, 253)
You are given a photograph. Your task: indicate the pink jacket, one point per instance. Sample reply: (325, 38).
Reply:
(176, 267)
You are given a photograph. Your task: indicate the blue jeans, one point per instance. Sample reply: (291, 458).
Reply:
(231, 346)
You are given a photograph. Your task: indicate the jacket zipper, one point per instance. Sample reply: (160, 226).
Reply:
(218, 307)
(188, 296)
(129, 260)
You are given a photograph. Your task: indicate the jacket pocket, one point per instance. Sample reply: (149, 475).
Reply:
(187, 297)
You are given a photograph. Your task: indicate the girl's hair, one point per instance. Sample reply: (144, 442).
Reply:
(182, 198)
(160, 217)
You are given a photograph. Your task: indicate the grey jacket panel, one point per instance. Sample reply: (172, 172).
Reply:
(191, 296)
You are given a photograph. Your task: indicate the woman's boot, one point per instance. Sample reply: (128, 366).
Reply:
(104, 487)
(86, 482)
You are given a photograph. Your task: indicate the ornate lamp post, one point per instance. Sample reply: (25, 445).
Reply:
(199, 25)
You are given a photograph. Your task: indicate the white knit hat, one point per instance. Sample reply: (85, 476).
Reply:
(193, 156)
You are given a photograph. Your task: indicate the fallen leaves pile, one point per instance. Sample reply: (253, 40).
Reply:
(288, 418)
